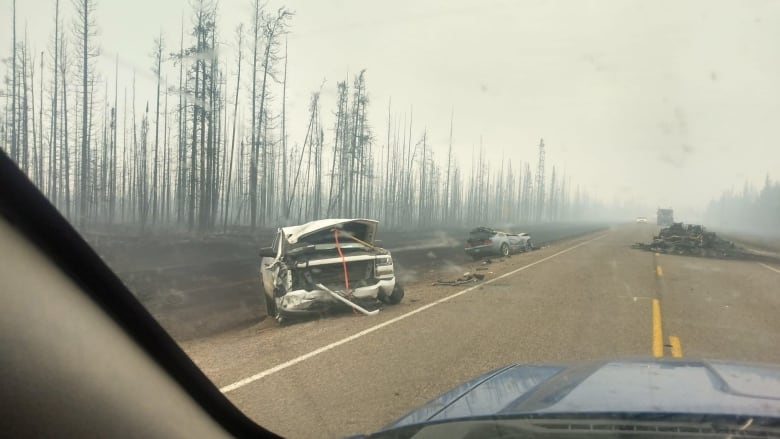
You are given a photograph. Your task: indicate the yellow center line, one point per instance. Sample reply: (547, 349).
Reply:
(658, 336)
(676, 347)
(659, 271)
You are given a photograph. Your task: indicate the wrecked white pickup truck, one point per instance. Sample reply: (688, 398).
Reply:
(326, 264)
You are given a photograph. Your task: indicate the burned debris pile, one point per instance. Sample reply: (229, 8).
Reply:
(691, 240)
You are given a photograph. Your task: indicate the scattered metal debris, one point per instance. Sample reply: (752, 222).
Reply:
(465, 279)
(691, 240)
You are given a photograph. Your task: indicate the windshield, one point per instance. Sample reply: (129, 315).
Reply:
(481, 184)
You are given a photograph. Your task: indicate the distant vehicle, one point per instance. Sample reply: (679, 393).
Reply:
(324, 264)
(665, 217)
(484, 241)
(641, 219)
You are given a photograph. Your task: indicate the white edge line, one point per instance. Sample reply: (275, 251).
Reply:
(241, 383)
(769, 267)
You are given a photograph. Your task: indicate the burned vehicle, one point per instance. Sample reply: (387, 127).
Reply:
(327, 264)
(484, 241)
(692, 240)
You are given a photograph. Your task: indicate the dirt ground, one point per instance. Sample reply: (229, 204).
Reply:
(755, 243)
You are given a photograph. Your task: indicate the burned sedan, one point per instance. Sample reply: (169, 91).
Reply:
(484, 241)
(326, 264)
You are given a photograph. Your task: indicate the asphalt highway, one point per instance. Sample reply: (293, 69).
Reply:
(591, 297)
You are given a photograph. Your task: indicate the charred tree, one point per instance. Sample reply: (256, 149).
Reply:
(226, 209)
(272, 28)
(85, 31)
(284, 130)
(257, 27)
(166, 193)
(53, 134)
(142, 188)
(112, 173)
(65, 146)
(25, 129)
(181, 156)
(334, 200)
(14, 90)
(156, 69)
(539, 207)
(309, 134)
(35, 174)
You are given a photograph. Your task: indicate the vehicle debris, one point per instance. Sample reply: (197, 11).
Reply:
(691, 240)
(465, 279)
(342, 299)
(327, 264)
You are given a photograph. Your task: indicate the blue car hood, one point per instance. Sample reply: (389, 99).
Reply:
(625, 386)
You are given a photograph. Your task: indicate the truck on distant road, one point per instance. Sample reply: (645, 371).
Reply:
(665, 217)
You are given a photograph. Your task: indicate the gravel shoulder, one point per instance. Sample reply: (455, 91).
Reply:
(762, 245)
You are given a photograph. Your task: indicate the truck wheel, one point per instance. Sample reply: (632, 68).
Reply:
(270, 303)
(270, 306)
(528, 246)
(395, 297)
(504, 250)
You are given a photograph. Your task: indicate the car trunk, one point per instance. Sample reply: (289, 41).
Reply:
(480, 236)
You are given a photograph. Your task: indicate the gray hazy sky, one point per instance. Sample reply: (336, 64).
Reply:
(666, 102)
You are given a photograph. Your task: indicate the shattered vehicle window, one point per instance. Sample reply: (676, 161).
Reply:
(342, 210)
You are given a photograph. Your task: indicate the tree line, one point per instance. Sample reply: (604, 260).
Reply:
(751, 210)
(210, 151)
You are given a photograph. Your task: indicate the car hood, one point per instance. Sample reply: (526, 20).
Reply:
(625, 386)
(294, 234)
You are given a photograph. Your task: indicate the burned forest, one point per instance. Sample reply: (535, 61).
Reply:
(211, 148)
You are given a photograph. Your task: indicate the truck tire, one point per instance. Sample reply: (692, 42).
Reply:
(270, 306)
(396, 295)
(270, 303)
(504, 250)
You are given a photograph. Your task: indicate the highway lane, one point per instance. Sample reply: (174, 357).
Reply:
(587, 298)
(719, 307)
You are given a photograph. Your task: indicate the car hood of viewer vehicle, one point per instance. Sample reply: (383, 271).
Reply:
(293, 234)
(625, 386)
